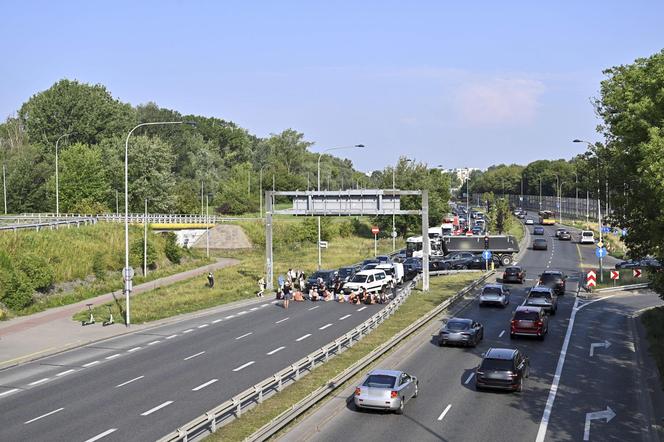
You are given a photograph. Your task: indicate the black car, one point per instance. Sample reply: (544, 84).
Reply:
(370, 265)
(554, 279)
(383, 259)
(565, 236)
(327, 275)
(461, 331)
(514, 274)
(541, 296)
(411, 267)
(347, 273)
(540, 244)
(458, 261)
(539, 230)
(639, 263)
(502, 368)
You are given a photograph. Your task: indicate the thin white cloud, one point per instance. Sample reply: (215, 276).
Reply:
(499, 101)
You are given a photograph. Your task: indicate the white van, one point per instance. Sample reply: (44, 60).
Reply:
(587, 237)
(373, 280)
(395, 270)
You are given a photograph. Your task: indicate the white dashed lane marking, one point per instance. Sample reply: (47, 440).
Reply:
(158, 407)
(216, 321)
(203, 325)
(131, 350)
(302, 338)
(281, 320)
(189, 330)
(501, 334)
(100, 435)
(274, 351)
(325, 326)
(154, 342)
(314, 308)
(242, 367)
(4, 393)
(202, 386)
(193, 356)
(344, 317)
(66, 372)
(90, 364)
(244, 335)
(43, 416)
(117, 355)
(171, 337)
(442, 415)
(129, 381)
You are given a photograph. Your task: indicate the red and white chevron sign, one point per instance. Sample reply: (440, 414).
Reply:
(615, 274)
(636, 273)
(591, 279)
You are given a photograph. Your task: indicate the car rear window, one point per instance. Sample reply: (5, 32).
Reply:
(380, 381)
(587, 233)
(491, 291)
(457, 326)
(497, 364)
(512, 270)
(539, 294)
(550, 278)
(526, 316)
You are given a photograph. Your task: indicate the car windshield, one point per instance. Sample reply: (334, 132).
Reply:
(550, 278)
(497, 364)
(457, 326)
(360, 278)
(345, 272)
(491, 291)
(526, 316)
(380, 381)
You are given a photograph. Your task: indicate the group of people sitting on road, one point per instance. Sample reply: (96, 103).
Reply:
(294, 288)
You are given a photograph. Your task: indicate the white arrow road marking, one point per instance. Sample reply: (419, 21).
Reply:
(607, 414)
(594, 345)
(100, 435)
(469, 378)
(158, 407)
(200, 387)
(43, 415)
(129, 381)
(442, 415)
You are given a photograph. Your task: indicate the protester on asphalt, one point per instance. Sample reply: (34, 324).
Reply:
(261, 287)
(210, 278)
(288, 294)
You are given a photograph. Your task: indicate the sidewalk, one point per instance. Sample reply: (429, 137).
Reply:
(29, 337)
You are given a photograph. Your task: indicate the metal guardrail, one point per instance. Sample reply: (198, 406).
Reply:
(50, 224)
(289, 415)
(232, 408)
(642, 285)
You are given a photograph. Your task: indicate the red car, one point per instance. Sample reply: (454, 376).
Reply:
(529, 321)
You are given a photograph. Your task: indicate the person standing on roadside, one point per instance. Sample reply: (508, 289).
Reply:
(210, 278)
(261, 287)
(288, 294)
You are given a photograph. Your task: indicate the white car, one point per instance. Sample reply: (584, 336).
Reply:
(373, 280)
(530, 222)
(587, 237)
(394, 270)
(496, 294)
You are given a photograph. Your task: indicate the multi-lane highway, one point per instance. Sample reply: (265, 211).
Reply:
(449, 408)
(140, 386)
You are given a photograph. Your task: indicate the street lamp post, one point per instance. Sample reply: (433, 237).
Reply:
(320, 155)
(57, 179)
(260, 191)
(576, 201)
(127, 273)
(145, 239)
(540, 193)
(599, 208)
(4, 187)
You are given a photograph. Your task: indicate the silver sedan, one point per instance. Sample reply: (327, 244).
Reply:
(386, 390)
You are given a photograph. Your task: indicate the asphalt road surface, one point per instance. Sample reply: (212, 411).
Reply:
(141, 386)
(449, 408)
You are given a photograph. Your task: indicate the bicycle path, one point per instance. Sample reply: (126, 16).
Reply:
(30, 337)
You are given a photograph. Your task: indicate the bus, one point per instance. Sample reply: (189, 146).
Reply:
(547, 218)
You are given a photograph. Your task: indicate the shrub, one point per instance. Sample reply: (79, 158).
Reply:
(171, 249)
(136, 253)
(346, 229)
(18, 292)
(38, 271)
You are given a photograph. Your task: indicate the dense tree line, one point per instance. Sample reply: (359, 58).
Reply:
(167, 164)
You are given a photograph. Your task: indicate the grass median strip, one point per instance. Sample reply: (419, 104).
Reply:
(416, 306)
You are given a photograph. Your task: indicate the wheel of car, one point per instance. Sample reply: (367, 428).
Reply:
(553, 313)
(417, 390)
(519, 387)
(505, 260)
(400, 409)
(464, 267)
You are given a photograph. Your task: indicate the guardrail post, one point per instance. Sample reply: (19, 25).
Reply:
(279, 382)
(213, 421)
(182, 435)
(260, 395)
(297, 373)
(327, 353)
(312, 361)
(238, 404)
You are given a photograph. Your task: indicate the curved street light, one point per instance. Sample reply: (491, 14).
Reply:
(126, 273)
(57, 180)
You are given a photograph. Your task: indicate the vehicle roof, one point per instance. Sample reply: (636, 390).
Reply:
(323, 272)
(464, 320)
(552, 272)
(541, 288)
(395, 373)
(369, 272)
(493, 284)
(527, 308)
(539, 240)
(500, 353)
(513, 267)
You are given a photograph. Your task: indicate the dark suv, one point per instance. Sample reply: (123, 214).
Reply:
(541, 296)
(529, 321)
(326, 275)
(502, 368)
(554, 279)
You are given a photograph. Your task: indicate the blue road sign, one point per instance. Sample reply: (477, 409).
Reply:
(624, 232)
(486, 255)
(600, 252)
(606, 229)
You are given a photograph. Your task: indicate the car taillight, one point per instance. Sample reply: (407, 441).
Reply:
(394, 394)
(357, 391)
(504, 275)
(538, 323)
(514, 375)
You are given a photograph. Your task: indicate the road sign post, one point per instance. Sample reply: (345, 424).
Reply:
(487, 256)
(600, 252)
(615, 275)
(375, 230)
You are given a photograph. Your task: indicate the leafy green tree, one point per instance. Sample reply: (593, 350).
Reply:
(88, 112)
(150, 174)
(631, 103)
(232, 194)
(83, 180)
(27, 176)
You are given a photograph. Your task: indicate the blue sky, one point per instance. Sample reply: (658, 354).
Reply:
(443, 82)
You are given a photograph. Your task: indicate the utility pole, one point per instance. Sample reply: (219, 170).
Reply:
(4, 186)
(207, 226)
(117, 204)
(145, 239)
(201, 198)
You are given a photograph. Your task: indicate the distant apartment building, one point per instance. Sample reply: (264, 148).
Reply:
(462, 173)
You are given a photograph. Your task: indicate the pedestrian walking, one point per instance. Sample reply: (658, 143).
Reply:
(210, 278)
(261, 287)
